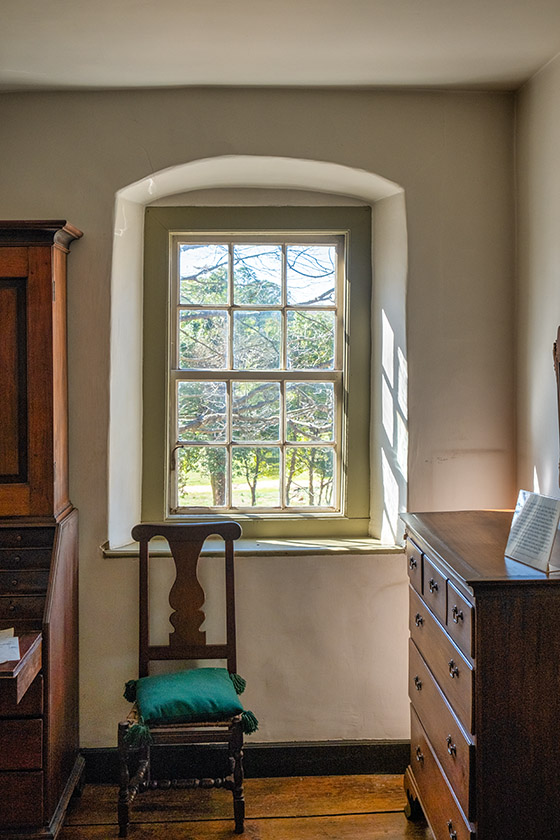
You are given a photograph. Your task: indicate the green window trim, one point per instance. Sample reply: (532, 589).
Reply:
(355, 223)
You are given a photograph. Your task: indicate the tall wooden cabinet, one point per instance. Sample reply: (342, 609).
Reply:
(484, 682)
(39, 761)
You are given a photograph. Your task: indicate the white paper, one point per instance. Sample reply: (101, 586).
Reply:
(9, 649)
(6, 634)
(533, 529)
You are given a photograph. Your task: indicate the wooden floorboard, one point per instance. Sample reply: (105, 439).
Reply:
(310, 808)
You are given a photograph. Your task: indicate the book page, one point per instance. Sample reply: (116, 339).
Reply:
(533, 529)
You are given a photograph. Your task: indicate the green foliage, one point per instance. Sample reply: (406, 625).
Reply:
(255, 404)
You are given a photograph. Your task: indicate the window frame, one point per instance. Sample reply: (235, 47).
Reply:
(162, 224)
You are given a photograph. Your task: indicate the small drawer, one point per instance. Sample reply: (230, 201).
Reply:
(414, 565)
(460, 620)
(446, 818)
(453, 674)
(26, 537)
(17, 788)
(21, 744)
(31, 704)
(435, 592)
(25, 558)
(453, 749)
(26, 581)
(21, 606)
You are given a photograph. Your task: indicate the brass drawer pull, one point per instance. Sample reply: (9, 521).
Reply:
(433, 585)
(418, 683)
(457, 614)
(451, 748)
(453, 669)
(418, 620)
(412, 563)
(452, 832)
(14, 582)
(419, 754)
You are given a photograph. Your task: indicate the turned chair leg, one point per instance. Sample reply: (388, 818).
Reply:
(123, 807)
(236, 761)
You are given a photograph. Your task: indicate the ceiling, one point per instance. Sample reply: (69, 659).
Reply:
(79, 44)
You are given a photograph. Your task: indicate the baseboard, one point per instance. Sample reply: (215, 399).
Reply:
(316, 758)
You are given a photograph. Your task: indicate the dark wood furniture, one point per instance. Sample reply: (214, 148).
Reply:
(484, 682)
(186, 643)
(556, 359)
(39, 761)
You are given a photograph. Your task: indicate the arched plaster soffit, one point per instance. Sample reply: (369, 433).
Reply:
(260, 171)
(388, 314)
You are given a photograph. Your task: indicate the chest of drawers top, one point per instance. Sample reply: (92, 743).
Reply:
(469, 548)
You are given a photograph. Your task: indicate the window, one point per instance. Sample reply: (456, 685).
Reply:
(256, 372)
(262, 406)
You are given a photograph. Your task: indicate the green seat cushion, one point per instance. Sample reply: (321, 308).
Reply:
(199, 694)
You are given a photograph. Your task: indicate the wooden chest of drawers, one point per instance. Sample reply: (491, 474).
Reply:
(484, 682)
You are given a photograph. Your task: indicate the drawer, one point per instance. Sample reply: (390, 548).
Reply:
(454, 751)
(21, 606)
(21, 744)
(446, 818)
(460, 620)
(454, 675)
(435, 589)
(25, 558)
(21, 787)
(16, 581)
(26, 537)
(30, 704)
(414, 564)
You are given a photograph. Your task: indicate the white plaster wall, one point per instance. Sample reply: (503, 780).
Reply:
(301, 621)
(538, 316)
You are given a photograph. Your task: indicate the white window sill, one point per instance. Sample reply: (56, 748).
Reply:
(267, 547)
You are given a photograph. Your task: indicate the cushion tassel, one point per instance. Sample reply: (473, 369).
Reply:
(238, 683)
(249, 723)
(138, 735)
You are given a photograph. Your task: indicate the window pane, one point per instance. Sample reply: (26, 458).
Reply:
(201, 476)
(256, 411)
(203, 274)
(310, 274)
(309, 411)
(309, 476)
(256, 476)
(202, 339)
(201, 410)
(256, 340)
(311, 340)
(257, 274)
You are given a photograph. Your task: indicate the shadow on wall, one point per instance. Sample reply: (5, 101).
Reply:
(389, 431)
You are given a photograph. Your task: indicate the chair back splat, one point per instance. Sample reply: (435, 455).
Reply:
(186, 596)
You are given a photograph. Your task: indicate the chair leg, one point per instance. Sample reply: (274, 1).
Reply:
(123, 807)
(236, 760)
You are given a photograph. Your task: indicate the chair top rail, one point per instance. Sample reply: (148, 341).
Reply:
(186, 531)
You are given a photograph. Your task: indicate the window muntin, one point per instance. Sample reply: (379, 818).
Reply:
(256, 372)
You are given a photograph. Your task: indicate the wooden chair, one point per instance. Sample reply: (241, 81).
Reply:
(186, 642)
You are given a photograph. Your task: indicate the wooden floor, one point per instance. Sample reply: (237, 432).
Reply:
(310, 808)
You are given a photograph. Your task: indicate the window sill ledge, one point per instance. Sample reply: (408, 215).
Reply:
(268, 547)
